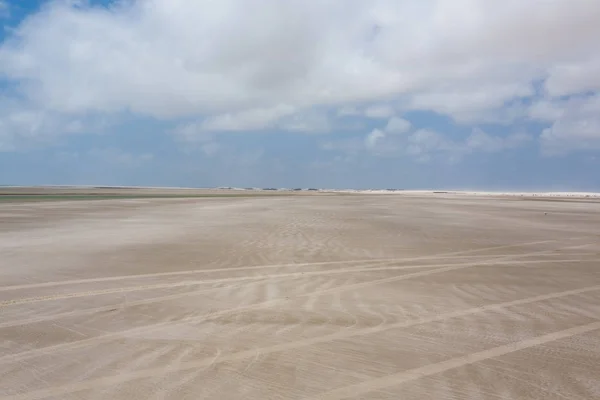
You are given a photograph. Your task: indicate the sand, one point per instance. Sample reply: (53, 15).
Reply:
(361, 296)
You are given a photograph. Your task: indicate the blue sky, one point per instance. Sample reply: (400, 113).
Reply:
(451, 94)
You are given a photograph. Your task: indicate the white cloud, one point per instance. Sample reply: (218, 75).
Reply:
(482, 141)
(248, 120)
(565, 79)
(192, 132)
(554, 110)
(546, 110)
(576, 126)
(427, 144)
(373, 137)
(376, 141)
(281, 117)
(307, 121)
(174, 57)
(470, 104)
(397, 125)
(351, 146)
(235, 65)
(379, 111)
(23, 125)
(348, 111)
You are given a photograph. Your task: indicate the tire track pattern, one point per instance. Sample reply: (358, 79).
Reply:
(136, 331)
(183, 366)
(266, 319)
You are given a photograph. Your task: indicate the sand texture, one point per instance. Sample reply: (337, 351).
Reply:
(352, 296)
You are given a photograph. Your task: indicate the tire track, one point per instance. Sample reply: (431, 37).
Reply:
(120, 306)
(37, 299)
(238, 356)
(89, 293)
(110, 336)
(353, 391)
(197, 271)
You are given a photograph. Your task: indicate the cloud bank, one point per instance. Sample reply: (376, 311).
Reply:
(304, 66)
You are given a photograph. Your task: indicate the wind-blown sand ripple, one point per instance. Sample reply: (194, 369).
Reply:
(321, 297)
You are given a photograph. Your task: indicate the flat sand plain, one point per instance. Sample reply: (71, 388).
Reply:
(319, 297)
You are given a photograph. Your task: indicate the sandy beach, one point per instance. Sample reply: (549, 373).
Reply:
(358, 296)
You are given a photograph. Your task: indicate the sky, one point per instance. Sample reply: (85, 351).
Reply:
(413, 94)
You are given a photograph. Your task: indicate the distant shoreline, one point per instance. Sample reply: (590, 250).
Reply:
(156, 191)
(479, 193)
